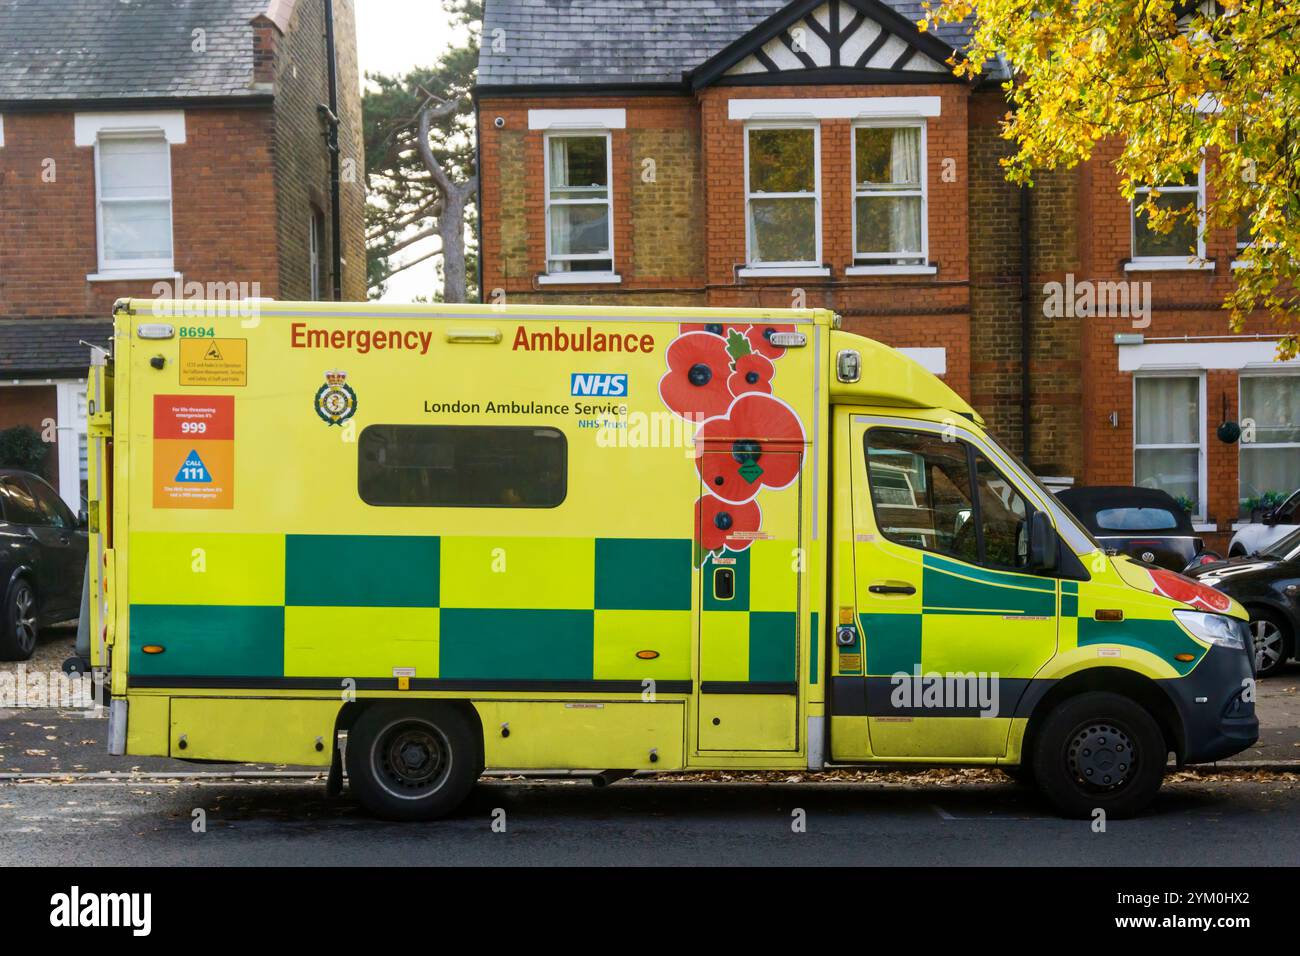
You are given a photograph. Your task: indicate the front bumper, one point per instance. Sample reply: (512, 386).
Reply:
(1216, 702)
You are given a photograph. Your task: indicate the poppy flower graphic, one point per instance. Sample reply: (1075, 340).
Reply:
(760, 339)
(716, 521)
(719, 329)
(1191, 592)
(756, 444)
(753, 374)
(695, 384)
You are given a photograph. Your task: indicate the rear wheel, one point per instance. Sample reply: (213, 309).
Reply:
(1272, 642)
(1099, 751)
(18, 627)
(412, 761)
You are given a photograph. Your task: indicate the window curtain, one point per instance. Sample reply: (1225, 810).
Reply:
(1168, 411)
(559, 162)
(905, 169)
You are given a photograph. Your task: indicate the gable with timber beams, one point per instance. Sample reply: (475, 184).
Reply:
(830, 41)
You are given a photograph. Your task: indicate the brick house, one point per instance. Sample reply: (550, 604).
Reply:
(162, 141)
(819, 152)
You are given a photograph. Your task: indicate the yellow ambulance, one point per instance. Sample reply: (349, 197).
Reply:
(415, 542)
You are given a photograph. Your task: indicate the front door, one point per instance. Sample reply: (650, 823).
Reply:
(953, 620)
(750, 567)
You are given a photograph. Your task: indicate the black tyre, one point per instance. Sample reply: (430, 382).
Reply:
(18, 628)
(1272, 641)
(1099, 751)
(1023, 774)
(413, 761)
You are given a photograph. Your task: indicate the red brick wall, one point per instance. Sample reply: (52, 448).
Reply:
(301, 158)
(1183, 304)
(223, 212)
(661, 128)
(698, 234)
(32, 405)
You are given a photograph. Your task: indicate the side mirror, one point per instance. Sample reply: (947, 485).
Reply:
(83, 520)
(1043, 542)
(1269, 517)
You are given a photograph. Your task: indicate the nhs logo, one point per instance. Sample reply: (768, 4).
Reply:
(594, 383)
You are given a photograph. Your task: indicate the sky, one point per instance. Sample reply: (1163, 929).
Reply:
(394, 36)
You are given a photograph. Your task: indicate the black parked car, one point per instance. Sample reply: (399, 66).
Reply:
(1268, 584)
(1144, 523)
(42, 560)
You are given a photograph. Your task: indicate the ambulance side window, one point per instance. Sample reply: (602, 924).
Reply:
(462, 466)
(1003, 512)
(921, 491)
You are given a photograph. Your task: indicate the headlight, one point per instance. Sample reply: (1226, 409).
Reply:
(1215, 628)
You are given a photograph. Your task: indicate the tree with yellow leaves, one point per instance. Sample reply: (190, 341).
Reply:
(1178, 84)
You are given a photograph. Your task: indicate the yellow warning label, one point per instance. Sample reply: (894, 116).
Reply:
(214, 362)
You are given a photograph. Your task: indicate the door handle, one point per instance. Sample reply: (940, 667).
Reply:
(897, 588)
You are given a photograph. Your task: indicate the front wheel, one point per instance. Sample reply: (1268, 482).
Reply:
(413, 761)
(1100, 751)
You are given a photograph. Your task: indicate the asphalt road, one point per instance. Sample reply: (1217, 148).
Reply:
(1209, 821)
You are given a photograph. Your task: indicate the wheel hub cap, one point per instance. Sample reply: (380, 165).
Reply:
(25, 617)
(1268, 643)
(413, 759)
(1101, 756)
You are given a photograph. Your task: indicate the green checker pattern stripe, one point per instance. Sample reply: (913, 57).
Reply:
(395, 571)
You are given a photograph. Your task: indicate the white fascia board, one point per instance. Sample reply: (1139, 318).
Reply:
(1153, 356)
(577, 119)
(88, 126)
(835, 107)
(933, 360)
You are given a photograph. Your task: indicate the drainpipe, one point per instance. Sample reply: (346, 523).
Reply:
(1026, 220)
(332, 144)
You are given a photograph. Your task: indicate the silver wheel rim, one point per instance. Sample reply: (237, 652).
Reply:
(1268, 644)
(411, 759)
(25, 617)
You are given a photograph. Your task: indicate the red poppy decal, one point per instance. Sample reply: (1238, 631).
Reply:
(714, 328)
(755, 445)
(717, 521)
(760, 339)
(753, 374)
(1191, 592)
(696, 381)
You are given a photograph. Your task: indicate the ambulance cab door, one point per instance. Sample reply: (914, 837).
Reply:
(749, 558)
(953, 618)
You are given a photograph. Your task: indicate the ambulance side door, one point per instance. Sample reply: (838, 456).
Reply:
(953, 618)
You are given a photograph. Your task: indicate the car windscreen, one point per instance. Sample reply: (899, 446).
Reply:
(1136, 519)
(1284, 549)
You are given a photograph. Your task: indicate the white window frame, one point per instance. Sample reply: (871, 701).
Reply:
(133, 268)
(883, 266)
(1243, 446)
(1201, 471)
(803, 268)
(1139, 263)
(610, 275)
